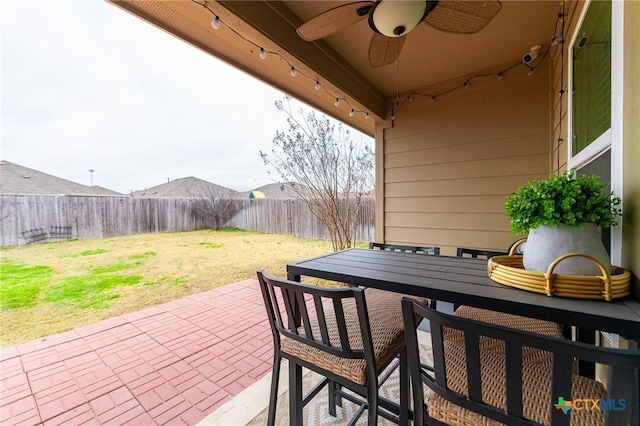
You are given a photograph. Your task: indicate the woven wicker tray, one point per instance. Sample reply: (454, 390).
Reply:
(509, 270)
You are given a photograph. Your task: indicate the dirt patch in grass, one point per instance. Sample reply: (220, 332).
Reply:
(53, 287)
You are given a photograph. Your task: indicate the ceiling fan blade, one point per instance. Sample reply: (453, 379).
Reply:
(334, 20)
(462, 17)
(384, 50)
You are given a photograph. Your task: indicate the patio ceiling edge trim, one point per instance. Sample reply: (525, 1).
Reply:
(278, 23)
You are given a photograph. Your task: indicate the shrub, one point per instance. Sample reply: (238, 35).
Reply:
(564, 199)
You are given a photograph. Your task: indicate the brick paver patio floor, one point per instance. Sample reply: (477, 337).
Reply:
(171, 364)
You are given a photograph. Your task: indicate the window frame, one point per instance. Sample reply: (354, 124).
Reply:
(611, 138)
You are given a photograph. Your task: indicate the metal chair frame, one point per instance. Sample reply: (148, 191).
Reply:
(624, 365)
(477, 254)
(404, 249)
(290, 317)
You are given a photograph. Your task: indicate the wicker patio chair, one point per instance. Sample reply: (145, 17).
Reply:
(404, 249)
(384, 305)
(474, 386)
(310, 329)
(500, 318)
(478, 254)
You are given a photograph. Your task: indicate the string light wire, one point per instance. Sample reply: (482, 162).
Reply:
(560, 24)
(562, 39)
(293, 70)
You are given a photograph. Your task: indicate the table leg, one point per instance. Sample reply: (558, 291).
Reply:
(623, 384)
(586, 368)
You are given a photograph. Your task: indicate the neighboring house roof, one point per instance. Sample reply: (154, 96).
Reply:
(19, 180)
(274, 190)
(96, 190)
(185, 188)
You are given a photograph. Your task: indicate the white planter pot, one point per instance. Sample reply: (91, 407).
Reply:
(546, 243)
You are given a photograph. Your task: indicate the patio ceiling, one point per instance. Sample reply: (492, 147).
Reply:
(340, 62)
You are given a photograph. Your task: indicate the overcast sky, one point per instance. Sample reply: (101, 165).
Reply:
(86, 85)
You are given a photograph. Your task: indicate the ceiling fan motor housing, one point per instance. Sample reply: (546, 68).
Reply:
(394, 18)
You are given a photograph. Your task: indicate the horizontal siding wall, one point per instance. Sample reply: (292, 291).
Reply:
(448, 165)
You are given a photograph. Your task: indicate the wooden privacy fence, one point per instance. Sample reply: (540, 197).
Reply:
(102, 217)
(289, 216)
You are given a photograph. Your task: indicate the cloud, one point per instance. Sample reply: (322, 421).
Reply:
(88, 86)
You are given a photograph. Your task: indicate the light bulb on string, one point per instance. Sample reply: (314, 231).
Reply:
(500, 76)
(337, 102)
(294, 72)
(352, 113)
(317, 86)
(263, 53)
(433, 99)
(215, 23)
(366, 116)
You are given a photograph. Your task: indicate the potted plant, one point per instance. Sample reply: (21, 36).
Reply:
(562, 215)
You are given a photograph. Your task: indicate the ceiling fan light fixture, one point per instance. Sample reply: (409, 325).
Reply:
(395, 18)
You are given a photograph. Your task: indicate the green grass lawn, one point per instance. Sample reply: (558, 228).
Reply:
(53, 287)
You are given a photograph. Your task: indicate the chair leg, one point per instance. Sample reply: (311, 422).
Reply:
(372, 402)
(332, 387)
(275, 378)
(334, 397)
(295, 394)
(404, 388)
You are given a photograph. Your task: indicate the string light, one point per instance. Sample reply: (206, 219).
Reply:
(215, 23)
(555, 41)
(561, 92)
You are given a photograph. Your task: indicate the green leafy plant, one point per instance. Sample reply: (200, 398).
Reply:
(564, 199)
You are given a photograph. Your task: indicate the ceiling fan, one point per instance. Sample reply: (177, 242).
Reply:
(391, 20)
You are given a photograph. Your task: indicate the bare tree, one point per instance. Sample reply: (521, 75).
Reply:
(214, 203)
(331, 172)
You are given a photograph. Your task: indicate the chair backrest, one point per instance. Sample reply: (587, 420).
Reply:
(555, 376)
(405, 249)
(315, 316)
(478, 254)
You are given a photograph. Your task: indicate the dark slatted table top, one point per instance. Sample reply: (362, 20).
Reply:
(465, 281)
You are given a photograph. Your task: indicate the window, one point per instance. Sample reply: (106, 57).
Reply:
(595, 99)
(596, 74)
(591, 89)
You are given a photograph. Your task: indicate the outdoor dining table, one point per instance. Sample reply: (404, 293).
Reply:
(465, 281)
